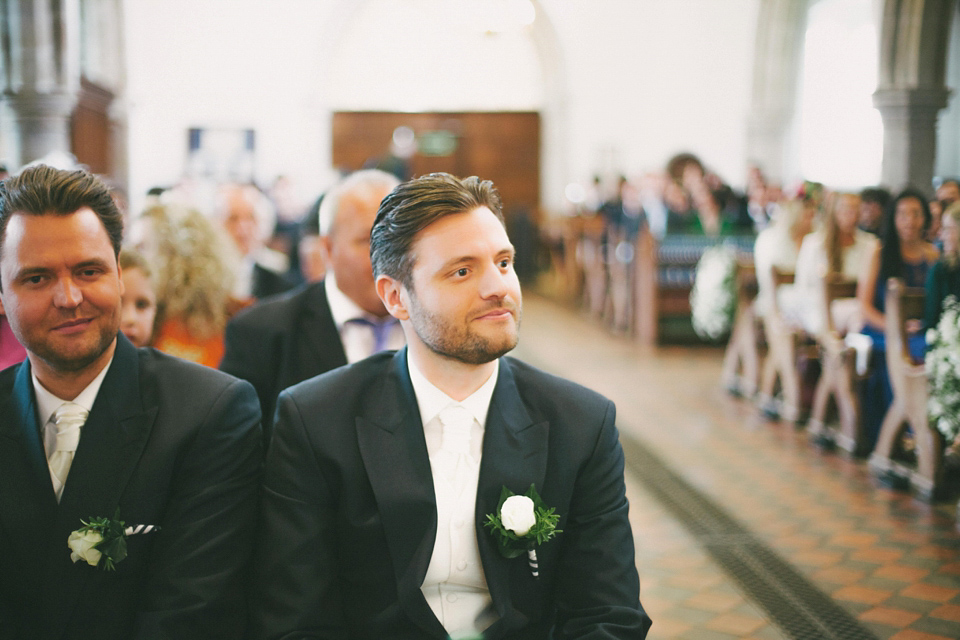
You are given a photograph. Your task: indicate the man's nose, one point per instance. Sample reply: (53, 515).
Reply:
(494, 283)
(68, 295)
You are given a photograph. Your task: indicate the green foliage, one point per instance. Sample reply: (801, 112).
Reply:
(113, 547)
(544, 529)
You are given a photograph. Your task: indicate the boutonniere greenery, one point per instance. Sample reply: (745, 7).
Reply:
(102, 542)
(521, 524)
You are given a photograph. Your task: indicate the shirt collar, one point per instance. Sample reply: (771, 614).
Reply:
(342, 308)
(47, 403)
(431, 400)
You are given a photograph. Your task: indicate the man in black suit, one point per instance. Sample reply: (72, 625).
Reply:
(91, 427)
(320, 326)
(381, 474)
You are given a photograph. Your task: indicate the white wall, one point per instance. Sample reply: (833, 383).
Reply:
(649, 78)
(629, 82)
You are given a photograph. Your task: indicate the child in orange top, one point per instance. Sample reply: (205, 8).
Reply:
(139, 300)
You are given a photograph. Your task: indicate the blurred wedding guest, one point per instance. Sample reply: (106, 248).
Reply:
(311, 248)
(873, 203)
(249, 218)
(949, 191)
(96, 433)
(11, 351)
(839, 247)
(779, 246)
(944, 277)
(193, 284)
(321, 325)
(936, 213)
(905, 254)
(139, 300)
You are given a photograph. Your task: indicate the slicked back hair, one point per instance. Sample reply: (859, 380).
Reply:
(42, 190)
(413, 206)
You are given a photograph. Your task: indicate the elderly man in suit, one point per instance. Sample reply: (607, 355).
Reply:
(92, 428)
(382, 474)
(323, 325)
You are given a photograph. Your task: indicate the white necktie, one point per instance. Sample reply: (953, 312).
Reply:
(454, 453)
(68, 418)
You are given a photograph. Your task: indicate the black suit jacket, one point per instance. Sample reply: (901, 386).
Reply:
(281, 341)
(169, 443)
(349, 517)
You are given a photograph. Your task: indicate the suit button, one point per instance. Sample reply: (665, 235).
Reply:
(451, 597)
(462, 565)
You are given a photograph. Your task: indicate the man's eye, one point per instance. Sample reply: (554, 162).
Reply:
(462, 272)
(505, 263)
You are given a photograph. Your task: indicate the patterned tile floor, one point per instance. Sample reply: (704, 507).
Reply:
(889, 560)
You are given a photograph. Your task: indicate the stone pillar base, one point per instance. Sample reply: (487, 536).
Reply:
(909, 135)
(43, 122)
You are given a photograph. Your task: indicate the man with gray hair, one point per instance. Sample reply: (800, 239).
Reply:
(319, 326)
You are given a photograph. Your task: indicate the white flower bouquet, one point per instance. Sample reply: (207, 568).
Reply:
(713, 299)
(943, 371)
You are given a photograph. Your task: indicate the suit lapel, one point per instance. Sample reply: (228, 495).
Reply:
(111, 443)
(514, 456)
(394, 452)
(320, 335)
(28, 505)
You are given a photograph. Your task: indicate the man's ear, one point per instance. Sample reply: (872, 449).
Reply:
(391, 294)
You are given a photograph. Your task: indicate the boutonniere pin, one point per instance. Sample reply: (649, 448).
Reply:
(521, 524)
(102, 542)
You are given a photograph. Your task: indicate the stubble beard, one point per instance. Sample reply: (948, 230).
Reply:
(64, 362)
(461, 343)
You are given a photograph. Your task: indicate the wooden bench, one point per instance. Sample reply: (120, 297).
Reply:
(664, 274)
(741, 360)
(838, 377)
(908, 378)
(785, 344)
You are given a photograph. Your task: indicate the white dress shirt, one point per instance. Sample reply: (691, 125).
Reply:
(47, 405)
(358, 339)
(455, 586)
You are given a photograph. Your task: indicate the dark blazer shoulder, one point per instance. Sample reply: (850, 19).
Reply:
(542, 390)
(281, 309)
(351, 380)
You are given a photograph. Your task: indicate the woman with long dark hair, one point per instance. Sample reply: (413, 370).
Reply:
(904, 253)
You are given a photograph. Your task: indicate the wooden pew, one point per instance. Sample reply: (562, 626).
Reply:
(908, 379)
(838, 377)
(742, 353)
(785, 343)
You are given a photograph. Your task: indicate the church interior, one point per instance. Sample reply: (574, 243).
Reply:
(632, 142)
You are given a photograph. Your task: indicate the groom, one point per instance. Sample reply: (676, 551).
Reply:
(381, 474)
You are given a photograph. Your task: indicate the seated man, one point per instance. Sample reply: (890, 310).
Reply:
(92, 428)
(321, 325)
(383, 475)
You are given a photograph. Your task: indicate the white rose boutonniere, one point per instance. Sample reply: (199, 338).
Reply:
(516, 514)
(522, 523)
(102, 542)
(83, 546)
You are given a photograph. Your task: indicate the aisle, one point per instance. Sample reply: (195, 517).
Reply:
(889, 564)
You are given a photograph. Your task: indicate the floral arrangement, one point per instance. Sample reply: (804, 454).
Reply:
(522, 523)
(943, 371)
(102, 542)
(713, 299)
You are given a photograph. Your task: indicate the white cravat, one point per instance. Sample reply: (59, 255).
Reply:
(453, 460)
(67, 420)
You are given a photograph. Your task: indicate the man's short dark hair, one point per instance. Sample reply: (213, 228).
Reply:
(413, 206)
(876, 195)
(42, 190)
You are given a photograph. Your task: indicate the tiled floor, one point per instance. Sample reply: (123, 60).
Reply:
(891, 561)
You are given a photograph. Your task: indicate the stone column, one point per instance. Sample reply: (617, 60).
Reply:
(909, 135)
(914, 37)
(39, 44)
(781, 26)
(43, 122)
